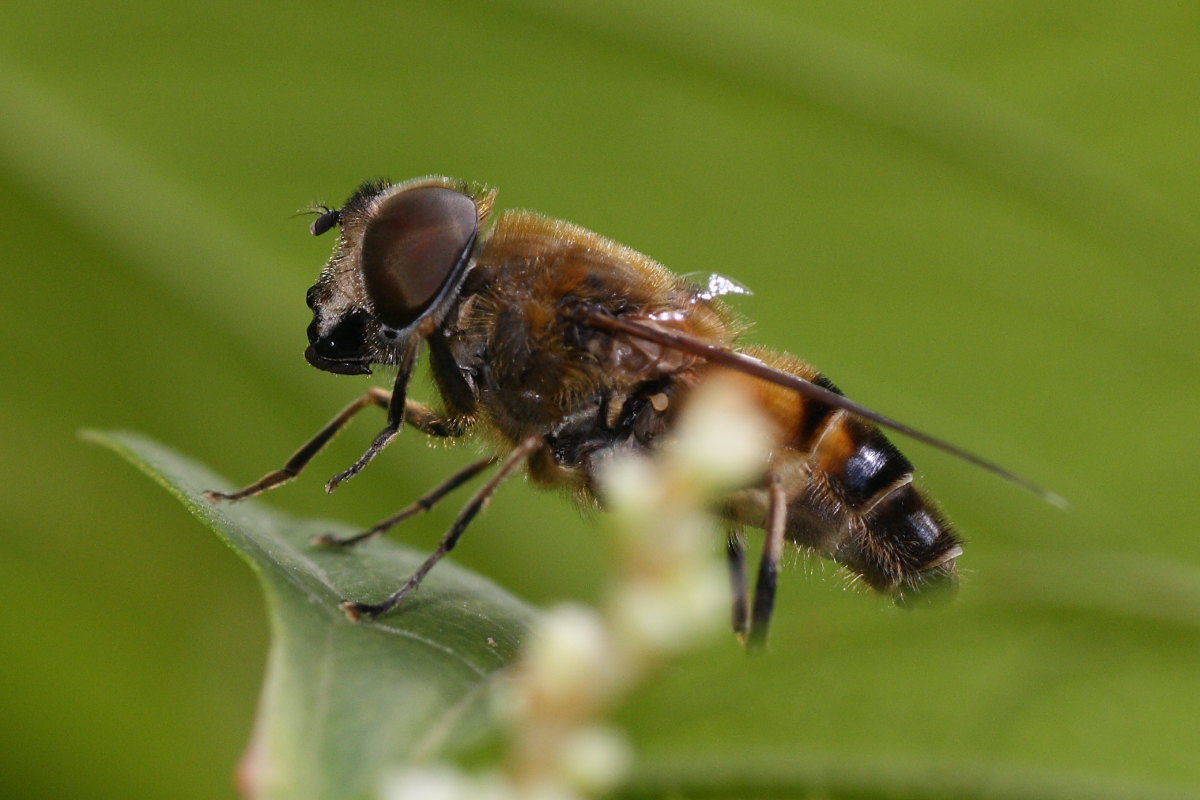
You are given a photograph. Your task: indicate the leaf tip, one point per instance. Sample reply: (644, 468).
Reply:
(94, 436)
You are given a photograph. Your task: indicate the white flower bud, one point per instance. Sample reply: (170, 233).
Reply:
(633, 485)
(428, 783)
(723, 440)
(595, 759)
(568, 660)
(663, 616)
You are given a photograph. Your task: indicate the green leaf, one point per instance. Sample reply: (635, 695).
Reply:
(344, 702)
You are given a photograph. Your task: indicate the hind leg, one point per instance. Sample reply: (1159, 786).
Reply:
(735, 550)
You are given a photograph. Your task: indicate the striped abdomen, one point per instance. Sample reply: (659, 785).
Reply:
(850, 492)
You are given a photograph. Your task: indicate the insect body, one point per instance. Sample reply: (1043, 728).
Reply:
(566, 347)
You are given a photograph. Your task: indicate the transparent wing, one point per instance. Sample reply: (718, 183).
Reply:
(720, 354)
(713, 285)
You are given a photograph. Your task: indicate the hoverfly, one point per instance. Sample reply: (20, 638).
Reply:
(565, 347)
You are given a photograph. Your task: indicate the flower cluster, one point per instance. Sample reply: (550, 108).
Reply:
(668, 592)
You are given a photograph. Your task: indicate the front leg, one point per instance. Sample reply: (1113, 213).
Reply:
(395, 418)
(431, 423)
(416, 414)
(299, 460)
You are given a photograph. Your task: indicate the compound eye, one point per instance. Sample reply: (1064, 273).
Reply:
(327, 220)
(413, 248)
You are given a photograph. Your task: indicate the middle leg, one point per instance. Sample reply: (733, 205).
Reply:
(513, 461)
(420, 506)
(768, 570)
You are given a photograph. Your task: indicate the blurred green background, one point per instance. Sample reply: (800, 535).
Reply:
(980, 218)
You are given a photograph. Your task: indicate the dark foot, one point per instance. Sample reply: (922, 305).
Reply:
(356, 611)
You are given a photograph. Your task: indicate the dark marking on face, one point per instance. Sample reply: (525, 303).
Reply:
(343, 349)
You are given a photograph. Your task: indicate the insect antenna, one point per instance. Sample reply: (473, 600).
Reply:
(720, 354)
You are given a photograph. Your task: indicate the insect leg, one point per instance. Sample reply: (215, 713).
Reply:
(768, 570)
(428, 422)
(422, 504)
(395, 418)
(299, 459)
(513, 461)
(735, 549)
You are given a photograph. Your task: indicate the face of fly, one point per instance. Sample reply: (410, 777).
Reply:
(401, 255)
(343, 334)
